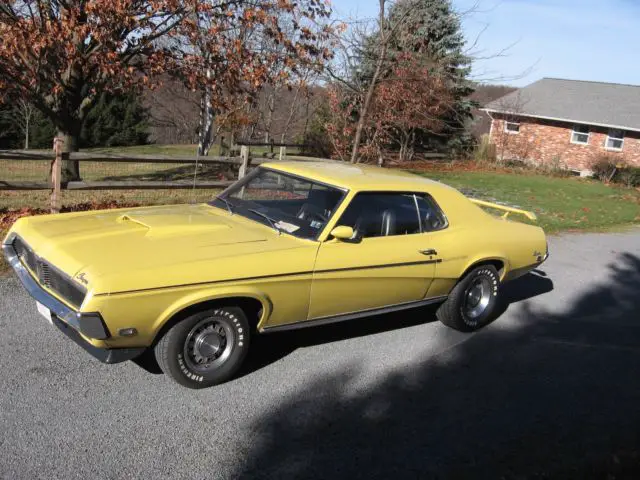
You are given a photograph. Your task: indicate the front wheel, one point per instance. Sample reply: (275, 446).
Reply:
(206, 348)
(472, 302)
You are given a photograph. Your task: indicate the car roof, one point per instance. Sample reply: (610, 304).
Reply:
(358, 177)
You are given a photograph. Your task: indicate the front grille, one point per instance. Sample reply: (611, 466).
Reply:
(49, 276)
(25, 254)
(44, 274)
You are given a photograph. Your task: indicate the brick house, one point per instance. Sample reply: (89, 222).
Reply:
(567, 123)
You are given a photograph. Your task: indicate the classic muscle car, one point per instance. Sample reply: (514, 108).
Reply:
(291, 245)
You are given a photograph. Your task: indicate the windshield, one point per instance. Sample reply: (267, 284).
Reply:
(286, 203)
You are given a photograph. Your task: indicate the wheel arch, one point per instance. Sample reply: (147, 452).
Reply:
(501, 264)
(256, 306)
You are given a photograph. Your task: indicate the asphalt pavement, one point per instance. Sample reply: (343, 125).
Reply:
(551, 389)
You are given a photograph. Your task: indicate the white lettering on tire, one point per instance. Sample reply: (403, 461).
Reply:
(494, 280)
(240, 343)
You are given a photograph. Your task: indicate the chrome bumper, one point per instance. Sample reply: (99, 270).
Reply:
(89, 324)
(72, 323)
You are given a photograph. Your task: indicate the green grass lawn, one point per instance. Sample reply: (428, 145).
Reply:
(559, 203)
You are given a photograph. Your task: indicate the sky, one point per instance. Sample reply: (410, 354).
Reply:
(597, 40)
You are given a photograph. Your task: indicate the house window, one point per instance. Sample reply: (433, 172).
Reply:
(580, 135)
(615, 140)
(512, 127)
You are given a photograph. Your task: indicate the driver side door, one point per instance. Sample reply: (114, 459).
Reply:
(388, 264)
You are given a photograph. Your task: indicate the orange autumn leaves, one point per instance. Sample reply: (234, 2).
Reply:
(60, 55)
(414, 96)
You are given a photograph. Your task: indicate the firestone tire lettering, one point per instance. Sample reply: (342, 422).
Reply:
(169, 350)
(451, 312)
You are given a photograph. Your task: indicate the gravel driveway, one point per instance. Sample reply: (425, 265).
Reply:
(551, 389)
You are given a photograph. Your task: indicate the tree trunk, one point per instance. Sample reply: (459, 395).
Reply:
(26, 131)
(407, 147)
(372, 86)
(206, 137)
(292, 112)
(70, 168)
(271, 106)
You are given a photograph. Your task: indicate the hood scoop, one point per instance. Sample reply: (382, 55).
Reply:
(129, 218)
(159, 224)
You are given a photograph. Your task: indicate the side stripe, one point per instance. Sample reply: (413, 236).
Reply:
(279, 275)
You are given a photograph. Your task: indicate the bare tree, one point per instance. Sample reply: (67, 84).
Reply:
(270, 41)
(173, 111)
(301, 101)
(384, 36)
(24, 115)
(355, 47)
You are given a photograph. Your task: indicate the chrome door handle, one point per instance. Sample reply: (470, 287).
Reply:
(429, 251)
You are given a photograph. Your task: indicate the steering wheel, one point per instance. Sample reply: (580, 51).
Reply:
(309, 211)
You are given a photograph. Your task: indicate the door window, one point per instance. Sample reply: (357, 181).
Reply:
(382, 215)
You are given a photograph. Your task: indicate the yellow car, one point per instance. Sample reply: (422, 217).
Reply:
(291, 245)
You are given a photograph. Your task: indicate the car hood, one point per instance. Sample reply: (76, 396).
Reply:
(127, 249)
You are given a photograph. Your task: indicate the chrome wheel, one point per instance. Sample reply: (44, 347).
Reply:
(208, 345)
(476, 298)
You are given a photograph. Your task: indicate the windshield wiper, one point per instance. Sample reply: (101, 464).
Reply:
(227, 203)
(267, 218)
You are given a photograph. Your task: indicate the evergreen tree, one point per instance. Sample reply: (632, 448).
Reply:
(115, 121)
(430, 32)
(431, 29)
(42, 132)
(9, 135)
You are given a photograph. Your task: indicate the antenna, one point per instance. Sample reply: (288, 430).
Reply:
(195, 176)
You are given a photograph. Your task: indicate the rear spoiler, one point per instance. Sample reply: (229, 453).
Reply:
(508, 210)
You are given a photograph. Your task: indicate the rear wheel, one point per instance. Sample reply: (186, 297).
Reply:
(206, 348)
(472, 302)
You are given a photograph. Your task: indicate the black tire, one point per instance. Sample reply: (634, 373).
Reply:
(458, 310)
(206, 348)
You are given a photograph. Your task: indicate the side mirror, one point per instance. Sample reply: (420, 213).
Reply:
(343, 233)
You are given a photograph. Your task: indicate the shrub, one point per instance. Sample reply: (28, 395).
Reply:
(608, 168)
(556, 168)
(628, 176)
(604, 167)
(485, 150)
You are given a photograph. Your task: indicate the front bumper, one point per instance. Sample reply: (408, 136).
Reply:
(76, 325)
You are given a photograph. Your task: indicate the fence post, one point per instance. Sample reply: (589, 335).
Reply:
(56, 174)
(271, 147)
(283, 153)
(246, 160)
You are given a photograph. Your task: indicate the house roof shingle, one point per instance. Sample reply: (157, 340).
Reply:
(594, 103)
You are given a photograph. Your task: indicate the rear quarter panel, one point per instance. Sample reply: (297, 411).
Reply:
(475, 236)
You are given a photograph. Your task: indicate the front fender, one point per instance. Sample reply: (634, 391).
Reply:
(215, 293)
(149, 311)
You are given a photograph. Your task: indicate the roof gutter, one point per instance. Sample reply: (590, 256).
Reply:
(488, 111)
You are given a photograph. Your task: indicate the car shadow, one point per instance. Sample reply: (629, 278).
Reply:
(267, 349)
(553, 396)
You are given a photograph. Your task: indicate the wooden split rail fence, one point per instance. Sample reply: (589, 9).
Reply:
(51, 176)
(56, 157)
